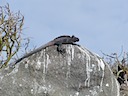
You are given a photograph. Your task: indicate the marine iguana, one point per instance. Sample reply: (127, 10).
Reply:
(64, 39)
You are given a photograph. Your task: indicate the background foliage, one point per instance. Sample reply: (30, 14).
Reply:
(11, 25)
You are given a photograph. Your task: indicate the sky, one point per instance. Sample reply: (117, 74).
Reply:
(101, 25)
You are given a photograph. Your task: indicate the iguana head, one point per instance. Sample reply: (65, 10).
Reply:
(75, 39)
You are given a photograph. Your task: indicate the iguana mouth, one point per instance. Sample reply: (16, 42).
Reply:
(77, 39)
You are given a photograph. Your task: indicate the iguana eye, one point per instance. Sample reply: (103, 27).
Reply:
(73, 36)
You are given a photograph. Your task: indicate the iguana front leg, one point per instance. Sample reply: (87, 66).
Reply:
(59, 48)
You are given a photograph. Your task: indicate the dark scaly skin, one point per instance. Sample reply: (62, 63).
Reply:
(65, 39)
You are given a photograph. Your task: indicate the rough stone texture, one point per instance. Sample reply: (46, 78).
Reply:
(78, 72)
(124, 90)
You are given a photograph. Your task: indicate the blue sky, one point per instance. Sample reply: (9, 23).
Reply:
(100, 24)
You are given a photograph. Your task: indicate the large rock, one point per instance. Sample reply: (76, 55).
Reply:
(78, 72)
